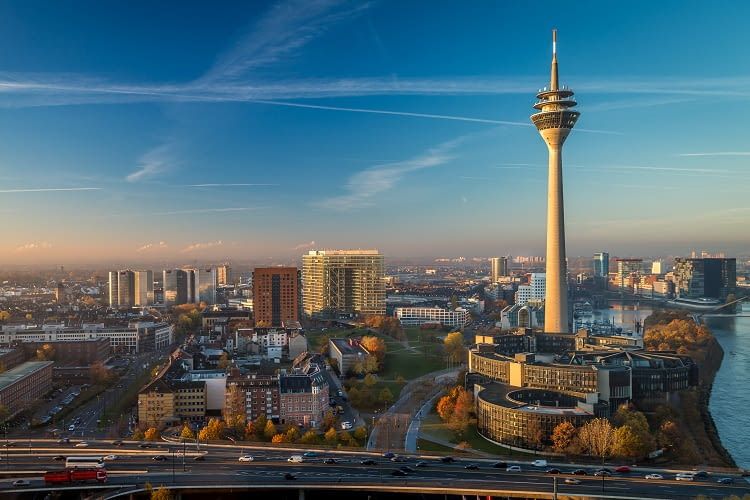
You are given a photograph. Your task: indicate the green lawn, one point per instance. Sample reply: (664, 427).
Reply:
(424, 445)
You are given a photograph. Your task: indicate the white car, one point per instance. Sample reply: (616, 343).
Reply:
(513, 468)
(654, 476)
(71, 428)
(82, 444)
(246, 458)
(109, 458)
(684, 476)
(346, 426)
(539, 463)
(20, 482)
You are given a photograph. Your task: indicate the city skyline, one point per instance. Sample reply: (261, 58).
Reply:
(269, 130)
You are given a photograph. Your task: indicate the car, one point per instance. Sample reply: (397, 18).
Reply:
(117, 443)
(684, 476)
(447, 460)
(368, 461)
(63, 441)
(346, 426)
(58, 457)
(500, 465)
(309, 454)
(398, 458)
(82, 444)
(109, 458)
(289, 476)
(388, 454)
(340, 392)
(513, 468)
(700, 474)
(159, 458)
(398, 472)
(246, 458)
(407, 469)
(199, 458)
(553, 471)
(725, 480)
(572, 480)
(471, 467)
(602, 473)
(421, 464)
(71, 428)
(654, 476)
(20, 482)
(579, 472)
(296, 459)
(144, 445)
(539, 463)
(9, 444)
(623, 469)
(330, 460)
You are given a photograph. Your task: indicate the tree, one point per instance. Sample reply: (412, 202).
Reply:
(99, 373)
(370, 380)
(278, 438)
(371, 365)
(400, 380)
(347, 439)
(360, 434)
(251, 431)
(236, 424)
(376, 346)
(309, 437)
(292, 434)
(223, 361)
(386, 396)
(187, 433)
(213, 430)
(138, 435)
(669, 434)
(454, 302)
(45, 353)
(454, 347)
(324, 344)
(628, 443)
(151, 434)
(161, 493)
(562, 436)
(330, 436)
(329, 420)
(260, 424)
(461, 418)
(597, 437)
(4, 316)
(269, 430)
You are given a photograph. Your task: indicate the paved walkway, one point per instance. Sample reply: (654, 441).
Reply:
(413, 432)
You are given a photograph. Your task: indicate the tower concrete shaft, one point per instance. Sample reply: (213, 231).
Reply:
(554, 121)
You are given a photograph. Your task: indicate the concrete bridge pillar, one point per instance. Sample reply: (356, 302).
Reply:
(301, 495)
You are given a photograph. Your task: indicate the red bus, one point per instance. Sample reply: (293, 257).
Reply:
(67, 476)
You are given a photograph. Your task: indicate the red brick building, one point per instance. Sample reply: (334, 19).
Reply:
(275, 295)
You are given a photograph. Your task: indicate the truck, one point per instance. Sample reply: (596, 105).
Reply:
(68, 476)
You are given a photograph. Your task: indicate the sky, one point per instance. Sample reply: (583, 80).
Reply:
(206, 131)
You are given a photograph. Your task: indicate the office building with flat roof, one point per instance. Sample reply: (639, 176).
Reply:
(705, 277)
(343, 282)
(275, 296)
(25, 384)
(601, 265)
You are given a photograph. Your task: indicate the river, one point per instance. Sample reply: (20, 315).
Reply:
(730, 399)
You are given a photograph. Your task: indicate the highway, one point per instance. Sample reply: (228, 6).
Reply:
(135, 466)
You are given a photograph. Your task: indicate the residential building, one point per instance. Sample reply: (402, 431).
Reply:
(343, 282)
(253, 395)
(705, 277)
(346, 352)
(10, 358)
(601, 265)
(415, 316)
(24, 385)
(304, 396)
(275, 295)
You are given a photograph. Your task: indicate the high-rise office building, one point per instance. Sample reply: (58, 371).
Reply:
(143, 285)
(224, 275)
(711, 278)
(188, 286)
(628, 272)
(121, 289)
(205, 285)
(275, 295)
(554, 121)
(498, 268)
(534, 292)
(343, 282)
(657, 267)
(175, 287)
(601, 265)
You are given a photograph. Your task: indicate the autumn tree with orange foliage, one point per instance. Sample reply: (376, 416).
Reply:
(456, 409)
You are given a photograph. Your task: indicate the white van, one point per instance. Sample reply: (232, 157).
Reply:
(685, 476)
(297, 459)
(539, 463)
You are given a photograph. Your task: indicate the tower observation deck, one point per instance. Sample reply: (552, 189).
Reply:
(554, 121)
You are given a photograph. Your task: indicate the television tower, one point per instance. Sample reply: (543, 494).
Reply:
(554, 121)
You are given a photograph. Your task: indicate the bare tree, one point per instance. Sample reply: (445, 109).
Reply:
(597, 438)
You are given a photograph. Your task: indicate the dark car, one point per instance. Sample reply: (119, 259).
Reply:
(330, 461)
(388, 454)
(289, 476)
(368, 461)
(398, 472)
(117, 443)
(9, 444)
(701, 474)
(144, 445)
(407, 469)
(159, 458)
(398, 458)
(58, 457)
(725, 480)
(602, 473)
(471, 466)
(447, 460)
(500, 465)
(553, 471)
(200, 458)
(421, 464)
(63, 441)
(579, 472)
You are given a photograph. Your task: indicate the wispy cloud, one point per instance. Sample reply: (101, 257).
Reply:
(152, 246)
(154, 162)
(303, 246)
(718, 153)
(208, 210)
(472, 178)
(34, 246)
(48, 190)
(202, 246)
(363, 186)
(227, 185)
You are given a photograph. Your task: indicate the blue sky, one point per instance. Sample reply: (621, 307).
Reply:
(136, 131)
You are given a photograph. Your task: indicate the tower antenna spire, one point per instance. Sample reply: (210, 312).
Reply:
(553, 78)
